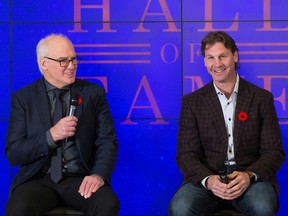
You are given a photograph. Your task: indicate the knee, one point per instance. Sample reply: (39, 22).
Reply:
(266, 204)
(20, 208)
(188, 200)
(112, 206)
(107, 207)
(262, 210)
(172, 208)
(178, 206)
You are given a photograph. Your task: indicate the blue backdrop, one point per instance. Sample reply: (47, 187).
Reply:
(146, 53)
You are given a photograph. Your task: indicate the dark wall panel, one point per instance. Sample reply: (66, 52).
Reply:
(5, 168)
(4, 71)
(282, 175)
(4, 11)
(146, 175)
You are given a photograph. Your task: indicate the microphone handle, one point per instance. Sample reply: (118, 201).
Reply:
(224, 179)
(72, 110)
(71, 113)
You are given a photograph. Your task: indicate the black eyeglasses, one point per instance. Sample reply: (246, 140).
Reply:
(65, 61)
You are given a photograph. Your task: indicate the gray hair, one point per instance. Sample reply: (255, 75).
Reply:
(42, 48)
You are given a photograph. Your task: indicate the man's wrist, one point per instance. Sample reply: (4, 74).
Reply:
(252, 176)
(204, 182)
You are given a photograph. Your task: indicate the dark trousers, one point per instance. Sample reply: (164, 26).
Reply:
(37, 196)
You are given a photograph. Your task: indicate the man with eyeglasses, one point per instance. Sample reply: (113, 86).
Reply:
(64, 158)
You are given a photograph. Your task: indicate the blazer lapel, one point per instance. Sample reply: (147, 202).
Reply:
(244, 100)
(75, 87)
(216, 115)
(78, 90)
(42, 104)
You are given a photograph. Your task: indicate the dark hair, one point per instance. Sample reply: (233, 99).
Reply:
(220, 36)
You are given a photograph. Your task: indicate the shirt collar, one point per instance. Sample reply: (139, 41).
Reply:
(50, 87)
(236, 87)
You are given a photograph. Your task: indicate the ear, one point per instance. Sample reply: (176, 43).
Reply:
(236, 56)
(43, 64)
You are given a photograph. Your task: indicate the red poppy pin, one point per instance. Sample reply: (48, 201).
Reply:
(80, 100)
(242, 116)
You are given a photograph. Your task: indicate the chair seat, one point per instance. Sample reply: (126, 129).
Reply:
(226, 213)
(64, 211)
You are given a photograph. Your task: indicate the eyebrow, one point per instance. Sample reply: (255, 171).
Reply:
(222, 53)
(67, 57)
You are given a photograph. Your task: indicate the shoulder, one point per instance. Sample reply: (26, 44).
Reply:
(88, 86)
(246, 86)
(88, 89)
(204, 91)
(30, 89)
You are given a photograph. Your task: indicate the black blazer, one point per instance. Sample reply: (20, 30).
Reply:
(30, 119)
(203, 139)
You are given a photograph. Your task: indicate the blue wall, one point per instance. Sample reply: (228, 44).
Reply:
(146, 53)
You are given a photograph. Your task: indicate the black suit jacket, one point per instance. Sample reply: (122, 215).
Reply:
(30, 119)
(203, 138)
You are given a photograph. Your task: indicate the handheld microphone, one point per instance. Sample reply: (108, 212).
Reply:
(222, 171)
(74, 101)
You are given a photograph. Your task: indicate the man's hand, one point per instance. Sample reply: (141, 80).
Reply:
(64, 128)
(89, 185)
(218, 188)
(238, 184)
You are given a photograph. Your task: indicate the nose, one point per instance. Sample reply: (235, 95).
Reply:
(217, 62)
(71, 65)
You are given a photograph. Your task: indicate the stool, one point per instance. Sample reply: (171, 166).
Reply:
(229, 212)
(64, 211)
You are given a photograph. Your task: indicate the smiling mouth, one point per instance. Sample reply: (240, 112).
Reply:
(219, 70)
(69, 74)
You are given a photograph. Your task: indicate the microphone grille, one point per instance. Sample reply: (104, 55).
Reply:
(74, 99)
(222, 169)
